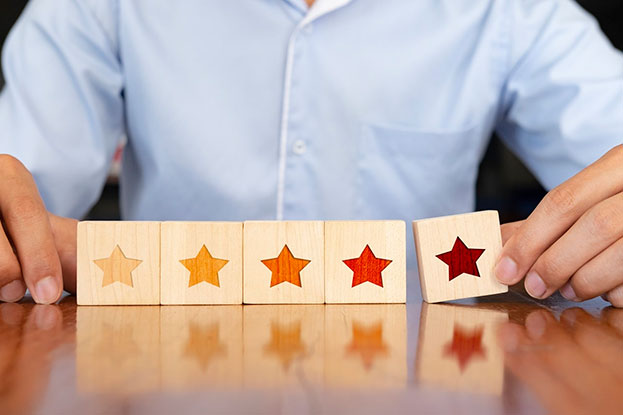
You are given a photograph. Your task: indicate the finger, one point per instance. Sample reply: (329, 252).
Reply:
(557, 212)
(12, 288)
(615, 296)
(613, 317)
(509, 229)
(594, 231)
(599, 275)
(28, 225)
(65, 237)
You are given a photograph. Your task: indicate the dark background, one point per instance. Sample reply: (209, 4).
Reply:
(504, 183)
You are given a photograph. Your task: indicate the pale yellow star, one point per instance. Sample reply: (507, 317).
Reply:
(204, 267)
(117, 267)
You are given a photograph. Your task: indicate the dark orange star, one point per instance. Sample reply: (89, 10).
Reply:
(368, 342)
(465, 345)
(285, 268)
(461, 259)
(286, 343)
(367, 267)
(204, 267)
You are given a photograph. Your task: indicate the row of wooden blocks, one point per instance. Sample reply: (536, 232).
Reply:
(234, 262)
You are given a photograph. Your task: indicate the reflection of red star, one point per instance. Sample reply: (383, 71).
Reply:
(285, 268)
(465, 345)
(204, 344)
(367, 342)
(286, 343)
(461, 260)
(367, 267)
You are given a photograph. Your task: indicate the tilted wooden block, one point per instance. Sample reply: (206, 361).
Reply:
(365, 262)
(201, 263)
(457, 255)
(283, 262)
(118, 263)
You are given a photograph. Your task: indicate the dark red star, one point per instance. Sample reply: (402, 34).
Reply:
(461, 260)
(465, 345)
(367, 267)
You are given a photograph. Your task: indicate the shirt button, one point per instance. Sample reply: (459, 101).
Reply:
(299, 147)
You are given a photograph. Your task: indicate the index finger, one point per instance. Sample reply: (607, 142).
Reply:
(557, 212)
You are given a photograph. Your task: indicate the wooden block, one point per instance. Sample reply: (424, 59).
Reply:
(366, 345)
(283, 344)
(201, 347)
(458, 348)
(365, 262)
(201, 263)
(117, 350)
(283, 262)
(118, 263)
(457, 254)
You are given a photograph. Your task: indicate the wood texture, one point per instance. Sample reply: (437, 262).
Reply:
(457, 254)
(283, 262)
(201, 263)
(365, 262)
(118, 263)
(458, 350)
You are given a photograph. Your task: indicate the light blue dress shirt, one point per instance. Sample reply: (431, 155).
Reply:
(263, 109)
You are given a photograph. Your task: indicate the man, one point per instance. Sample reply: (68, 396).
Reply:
(338, 109)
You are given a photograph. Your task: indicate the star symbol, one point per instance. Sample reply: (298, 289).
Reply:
(461, 259)
(117, 267)
(286, 343)
(465, 345)
(204, 267)
(367, 342)
(204, 344)
(367, 267)
(285, 268)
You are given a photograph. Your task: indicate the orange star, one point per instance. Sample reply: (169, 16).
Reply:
(286, 343)
(117, 267)
(285, 268)
(204, 267)
(368, 342)
(367, 267)
(204, 344)
(465, 345)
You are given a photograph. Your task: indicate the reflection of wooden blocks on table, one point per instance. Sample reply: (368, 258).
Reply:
(366, 345)
(118, 263)
(457, 254)
(283, 262)
(365, 262)
(201, 346)
(281, 342)
(457, 348)
(117, 350)
(201, 263)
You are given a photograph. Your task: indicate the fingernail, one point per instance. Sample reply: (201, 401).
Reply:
(46, 291)
(12, 292)
(506, 270)
(568, 292)
(534, 285)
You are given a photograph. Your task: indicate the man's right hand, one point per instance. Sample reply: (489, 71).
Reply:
(37, 249)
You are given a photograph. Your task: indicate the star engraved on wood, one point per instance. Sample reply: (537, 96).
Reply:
(204, 344)
(465, 345)
(117, 267)
(367, 267)
(461, 260)
(285, 268)
(204, 267)
(368, 342)
(286, 343)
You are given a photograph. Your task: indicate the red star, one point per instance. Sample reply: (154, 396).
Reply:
(285, 268)
(367, 267)
(465, 346)
(461, 260)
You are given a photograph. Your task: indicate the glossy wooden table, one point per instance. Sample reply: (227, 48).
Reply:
(507, 354)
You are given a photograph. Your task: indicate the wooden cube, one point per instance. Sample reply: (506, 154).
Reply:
(366, 346)
(457, 255)
(365, 262)
(118, 263)
(283, 262)
(201, 263)
(458, 348)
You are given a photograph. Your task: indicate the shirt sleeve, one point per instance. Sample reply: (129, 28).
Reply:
(61, 110)
(562, 103)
